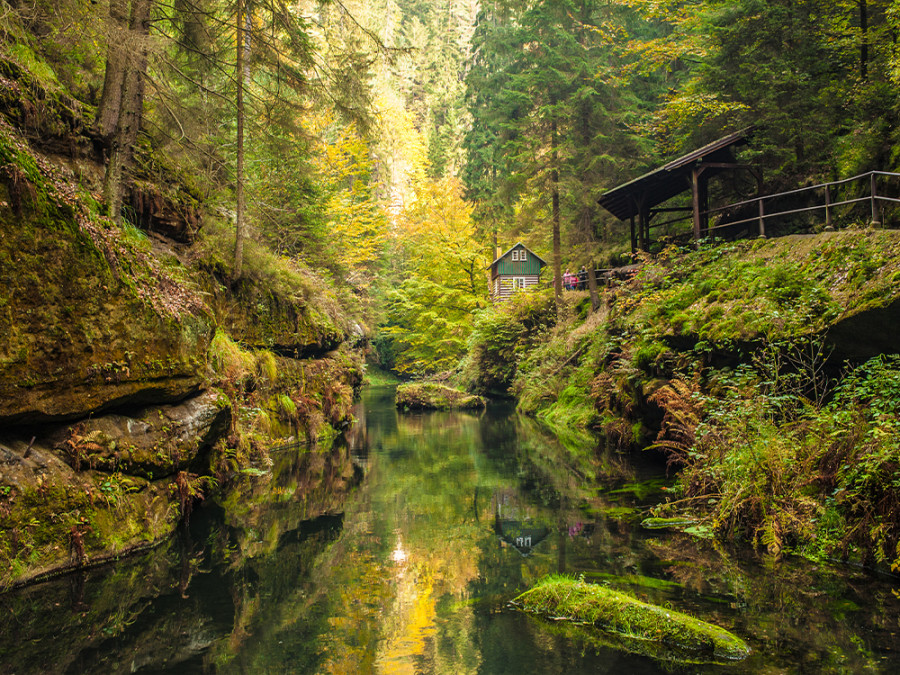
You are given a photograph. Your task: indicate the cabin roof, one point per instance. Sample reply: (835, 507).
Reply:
(665, 182)
(509, 250)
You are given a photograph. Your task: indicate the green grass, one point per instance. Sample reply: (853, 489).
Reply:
(563, 597)
(666, 523)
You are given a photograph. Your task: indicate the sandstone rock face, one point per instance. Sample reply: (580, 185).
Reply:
(868, 332)
(261, 317)
(157, 442)
(100, 488)
(79, 335)
(54, 518)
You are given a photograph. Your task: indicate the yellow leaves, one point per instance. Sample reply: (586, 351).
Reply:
(437, 234)
(402, 149)
(356, 219)
(680, 40)
(686, 110)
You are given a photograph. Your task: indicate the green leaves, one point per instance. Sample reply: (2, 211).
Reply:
(429, 324)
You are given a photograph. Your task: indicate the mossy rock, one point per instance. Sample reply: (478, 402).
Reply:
(90, 319)
(155, 443)
(431, 396)
(277, 304)
(562, 597)
(675, 523)
(54, 518)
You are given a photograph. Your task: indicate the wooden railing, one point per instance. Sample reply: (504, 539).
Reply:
(828, 204)
(826, 196)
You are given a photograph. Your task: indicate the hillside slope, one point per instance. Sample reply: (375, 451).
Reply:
(136, 375)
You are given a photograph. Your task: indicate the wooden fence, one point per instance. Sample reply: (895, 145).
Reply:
(872, 188)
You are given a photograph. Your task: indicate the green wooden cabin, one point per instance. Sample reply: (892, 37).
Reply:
(517, 269)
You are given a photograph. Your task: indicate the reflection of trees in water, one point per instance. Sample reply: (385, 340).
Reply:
(312, 569)
(302, 484)
(217, 596)
(406, 554)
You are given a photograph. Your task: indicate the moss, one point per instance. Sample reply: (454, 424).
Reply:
(286, 405)
(89, 316)
(54, 527)
(266, 365)
(564, 597)
(277, 304)
(228, 359)
(431, 396)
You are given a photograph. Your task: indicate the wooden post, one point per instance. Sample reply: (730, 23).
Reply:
(875, 219)
(828, 226)
(762, 219)
(641, 242)
(647, 218)
(633, 235)
(695, 194)
(703, 199)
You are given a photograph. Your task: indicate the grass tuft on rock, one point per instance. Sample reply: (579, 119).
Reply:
(563, 597)
(675, 523)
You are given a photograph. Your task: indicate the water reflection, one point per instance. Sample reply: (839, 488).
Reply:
(396, 550)
(516, 523)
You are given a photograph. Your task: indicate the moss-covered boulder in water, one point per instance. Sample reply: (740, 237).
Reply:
(677, 522)
(431, 396)
(601, 607)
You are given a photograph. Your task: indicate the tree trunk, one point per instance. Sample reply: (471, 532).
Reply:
(131, 106)
(239, 168)
(107, 118)
(586, 224)
(557, 248)
(864, 40)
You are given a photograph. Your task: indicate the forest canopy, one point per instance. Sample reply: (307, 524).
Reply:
(397, 145)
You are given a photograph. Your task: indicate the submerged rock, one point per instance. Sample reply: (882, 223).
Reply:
(561, 597)
(431, 396)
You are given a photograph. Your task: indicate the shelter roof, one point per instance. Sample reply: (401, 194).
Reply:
(671, 179)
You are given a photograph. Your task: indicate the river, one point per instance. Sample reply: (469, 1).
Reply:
(397, 550)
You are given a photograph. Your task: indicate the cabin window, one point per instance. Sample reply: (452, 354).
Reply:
(519, 282)
(522, 256)
(515, 256)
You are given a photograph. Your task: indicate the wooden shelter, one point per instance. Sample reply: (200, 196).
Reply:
(517, 269)
(640, 199)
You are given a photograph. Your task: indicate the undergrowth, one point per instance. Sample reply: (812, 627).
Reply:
(782, 471)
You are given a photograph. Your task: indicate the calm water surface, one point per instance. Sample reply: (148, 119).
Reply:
(396, 551)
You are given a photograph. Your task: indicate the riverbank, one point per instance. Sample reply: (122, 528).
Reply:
(138, 373)
(764, 370)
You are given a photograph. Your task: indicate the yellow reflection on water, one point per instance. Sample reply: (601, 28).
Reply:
(410, 623)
